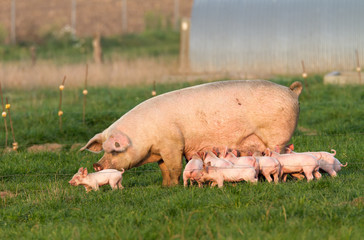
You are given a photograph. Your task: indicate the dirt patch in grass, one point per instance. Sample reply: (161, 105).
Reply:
(48, 147)
(358, 201)
(307, 131)
(76, 146)
(5, 194)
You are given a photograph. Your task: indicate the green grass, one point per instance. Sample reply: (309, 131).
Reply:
(66, 49)
(45, 206)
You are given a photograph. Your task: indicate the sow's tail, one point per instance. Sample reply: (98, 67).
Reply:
(296, 87)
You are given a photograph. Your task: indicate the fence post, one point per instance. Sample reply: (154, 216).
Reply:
(60, 112)
(358, 69)
(304, 74)
(3, 114)
(184, 45)
(13, 22)
(97, 48)
(84, 92)
(7, 106)
(124, 16)
(176, 14)
(33, 54)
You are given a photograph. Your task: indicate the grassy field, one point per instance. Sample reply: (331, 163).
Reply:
(40, 204)
(130, 59)
(65, 49)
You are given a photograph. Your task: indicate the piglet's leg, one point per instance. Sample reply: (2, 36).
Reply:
(332, 173)
(185, 182)
(268, 177)
(284, 177)
(88, 188)
(113, 186)
(191, 181)
(119, 185)
(317, 174)
(276, 177)
(185, 179)
(309, 176)
(300, 176)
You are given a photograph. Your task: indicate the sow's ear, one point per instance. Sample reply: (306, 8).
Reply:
(117, 142)
(94, 145)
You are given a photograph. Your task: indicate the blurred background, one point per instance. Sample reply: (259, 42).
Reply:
(123, 41)
(144, 41)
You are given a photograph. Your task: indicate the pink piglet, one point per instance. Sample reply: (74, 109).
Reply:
(92, 181)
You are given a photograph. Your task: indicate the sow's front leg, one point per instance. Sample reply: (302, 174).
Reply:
(165, 173)
(171, 166)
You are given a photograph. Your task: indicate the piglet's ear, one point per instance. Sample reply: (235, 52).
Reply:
(80, 170)
(117, 142)
(235, 152)
(291, 146)
(215, 151)
(267, 152)
(254, 161)
(277, 149)
(85, 172)
(203, 155)
(231, 154)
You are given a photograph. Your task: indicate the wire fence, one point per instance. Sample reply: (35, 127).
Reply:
(132, 171)
(57, 147)
(27, 18)
(72, 146)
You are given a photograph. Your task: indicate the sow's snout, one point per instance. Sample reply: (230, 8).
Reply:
(98, 167)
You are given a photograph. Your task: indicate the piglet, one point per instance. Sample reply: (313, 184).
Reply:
(266, 165)
(326, 160)
(269, 166)
(233, 174)
(211, 158)
(191, 169)
(297, 164)
(244, 160)
(94, 180)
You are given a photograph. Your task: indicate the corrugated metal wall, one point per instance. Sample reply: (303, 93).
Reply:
(273, 36)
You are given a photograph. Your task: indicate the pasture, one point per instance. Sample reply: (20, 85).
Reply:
(37, 201)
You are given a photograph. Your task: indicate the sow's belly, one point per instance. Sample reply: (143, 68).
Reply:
(206, 139)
